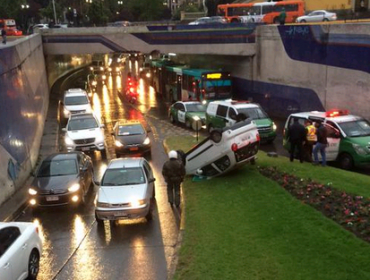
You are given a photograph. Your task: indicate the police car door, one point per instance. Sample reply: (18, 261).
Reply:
(333, 137)
(231, 116)
(181, 112)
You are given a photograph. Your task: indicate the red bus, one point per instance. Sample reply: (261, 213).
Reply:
(264, 12)
(10, 27)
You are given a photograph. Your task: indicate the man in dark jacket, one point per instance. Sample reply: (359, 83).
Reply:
(321, 144)
(297, 135)
(173, 172)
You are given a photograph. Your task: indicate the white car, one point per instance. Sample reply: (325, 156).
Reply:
(85, 133)
(75, 101)
(20, 251)
(224, 150)
(317, 16)
(126, 191)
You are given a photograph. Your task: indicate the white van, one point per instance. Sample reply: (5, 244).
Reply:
(75, 101)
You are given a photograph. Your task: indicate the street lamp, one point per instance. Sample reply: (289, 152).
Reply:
(196, 119)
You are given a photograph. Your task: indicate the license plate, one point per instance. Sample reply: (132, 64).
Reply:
(134, 148)
(52, 198)
(120, 214)
(85, 149)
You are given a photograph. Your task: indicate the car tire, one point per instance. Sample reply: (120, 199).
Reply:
(346, 161)
(325, 20)
(103, 154)
(33, 265)
(99, 221)
(303, 21)
(215, 135)
(149, 216)
(235, 20)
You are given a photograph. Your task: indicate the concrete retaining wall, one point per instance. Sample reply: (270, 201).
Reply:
(24, 95)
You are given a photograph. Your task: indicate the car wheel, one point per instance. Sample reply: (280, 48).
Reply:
(188, 123)
(103, 154)
(303, 21)
(325, 19)
(216, 136)
(234, 20)
(172, 119)
(346, 161)
(33, 265)
(149, 216)
(99, 221)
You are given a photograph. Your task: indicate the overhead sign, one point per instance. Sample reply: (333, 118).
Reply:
(214, 76)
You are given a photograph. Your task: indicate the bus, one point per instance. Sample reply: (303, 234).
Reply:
(10, 27)
(173, 81)
(263, 12)
(157, 69)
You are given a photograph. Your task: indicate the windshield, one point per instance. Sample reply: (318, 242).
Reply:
(217, 89)
(123, 177)
(130, 130)
(254, 113)
(195, 107)
(84, 123)
(50, 168)
(356, 128)
(76, 100)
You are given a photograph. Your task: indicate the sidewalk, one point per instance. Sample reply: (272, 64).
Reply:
(14, 206)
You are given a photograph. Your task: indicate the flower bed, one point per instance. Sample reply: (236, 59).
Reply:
(350, 211)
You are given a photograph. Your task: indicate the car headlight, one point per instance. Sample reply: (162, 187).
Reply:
(118, 69)
(110, 69)
(137, 202)
(118, 143)
(65, 113)
(102, 204)
(32, 191)
(91, 68)
(101, 68)
(99, 137)
(359, 149)
(94, 83)
(274, 126)
(146, 141)
(74, 188)
(104, 77)
(68, 141)
(148, 75)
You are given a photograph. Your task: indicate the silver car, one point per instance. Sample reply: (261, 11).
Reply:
(317, 16)
(126, 191)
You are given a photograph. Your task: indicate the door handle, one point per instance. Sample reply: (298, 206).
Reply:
(25, 245)
(6, 266)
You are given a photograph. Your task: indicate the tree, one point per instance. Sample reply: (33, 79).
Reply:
(98, 13)
(48, 11)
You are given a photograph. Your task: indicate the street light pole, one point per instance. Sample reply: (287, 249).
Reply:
(55, 14)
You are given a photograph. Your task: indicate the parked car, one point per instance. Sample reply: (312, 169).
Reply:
(126, 191)
(224, 150)
(348, 136)
(85, 133)
(131, 137)
(75, 101)
(225, 113)
(317, 16)
(20, 251)
(190, 113)
(61, 179)
(209, 20)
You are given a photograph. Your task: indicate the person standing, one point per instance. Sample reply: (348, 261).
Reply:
(282, 16)
(321, 144)
(173, 172)
(3, 35)
(311, 139)
(297, 135)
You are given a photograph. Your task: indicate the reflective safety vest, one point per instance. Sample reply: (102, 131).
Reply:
(311, 133)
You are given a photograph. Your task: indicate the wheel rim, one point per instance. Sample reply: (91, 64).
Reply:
(34, 265)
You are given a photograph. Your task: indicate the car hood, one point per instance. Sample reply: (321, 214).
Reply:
(361, 140)
(201, 115)
(77, 107)
(121, 194)
(85, 133)
(55, 182)
(131, 139)
(263, 122)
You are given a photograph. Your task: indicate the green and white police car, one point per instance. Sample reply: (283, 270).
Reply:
(348, 136)
(189, 113)
(224, 113)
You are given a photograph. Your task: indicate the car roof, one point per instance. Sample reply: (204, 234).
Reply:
(322, 115)
(236, 103)
(82, 116)
(128, 162)
(61, 156)
(190, 102)
(75, 92)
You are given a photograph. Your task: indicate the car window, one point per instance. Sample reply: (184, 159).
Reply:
(177, 106)
(254, 113)
(147, 166)
(232, 114)
(181, 107)
(356, 128)
(135, 129)
(195, 107)
(221, 111)
(76, 100)
(50, 168)
(83, 123)
(8, 236)
(122, 177)
(332, 130)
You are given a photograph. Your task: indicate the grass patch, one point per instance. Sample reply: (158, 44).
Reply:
(245, 226)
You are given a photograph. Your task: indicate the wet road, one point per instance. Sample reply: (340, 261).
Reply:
(74, 246)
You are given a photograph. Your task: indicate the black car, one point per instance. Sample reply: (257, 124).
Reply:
(131, 137)
(61, 179)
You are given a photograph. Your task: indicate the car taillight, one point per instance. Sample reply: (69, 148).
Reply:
(234, 147)
(258, 137)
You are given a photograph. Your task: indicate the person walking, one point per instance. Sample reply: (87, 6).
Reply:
(282, 16)
(297, 135)
(311, 139)
(3, 35)
(173, 172)
(321, 144)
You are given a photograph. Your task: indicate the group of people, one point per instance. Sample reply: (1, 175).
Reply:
(308, 139)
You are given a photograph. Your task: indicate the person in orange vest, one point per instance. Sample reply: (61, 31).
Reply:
(311, 139)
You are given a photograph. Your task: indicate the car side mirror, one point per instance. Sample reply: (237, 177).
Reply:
(151, 180)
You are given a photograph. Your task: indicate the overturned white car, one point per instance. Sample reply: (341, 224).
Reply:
(224, 150)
